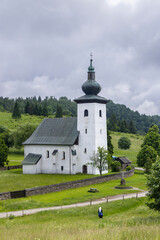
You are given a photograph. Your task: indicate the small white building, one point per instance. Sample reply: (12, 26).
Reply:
(65, 145)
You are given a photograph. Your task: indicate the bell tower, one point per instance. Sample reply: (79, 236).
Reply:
(91, 122)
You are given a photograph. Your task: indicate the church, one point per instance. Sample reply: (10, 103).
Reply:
(66, 145)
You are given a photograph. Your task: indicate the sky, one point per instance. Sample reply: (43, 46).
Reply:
(45, 48)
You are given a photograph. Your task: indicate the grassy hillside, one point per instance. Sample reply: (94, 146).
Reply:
(16, 157)
(7, 120)
(129, 219)
(136, 141)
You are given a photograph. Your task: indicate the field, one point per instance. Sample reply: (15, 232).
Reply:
(123, 220)
(7, 120)
(70, 196)
(136, 141)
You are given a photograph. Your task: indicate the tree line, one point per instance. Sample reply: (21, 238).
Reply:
(120, 118)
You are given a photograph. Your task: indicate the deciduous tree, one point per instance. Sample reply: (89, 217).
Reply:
(124, 143)
(153, 184)
(99, 160)
(147, 153)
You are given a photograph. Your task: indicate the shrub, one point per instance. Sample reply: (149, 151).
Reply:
(124, 143)
(128, 168)
(115, 166)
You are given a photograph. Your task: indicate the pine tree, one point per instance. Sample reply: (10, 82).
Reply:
(132, 128)
(110, 145)
(112, 123)
(16, 111)
(45, 111)
(59, 112)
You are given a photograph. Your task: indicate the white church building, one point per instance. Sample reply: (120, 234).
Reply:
(65, 145)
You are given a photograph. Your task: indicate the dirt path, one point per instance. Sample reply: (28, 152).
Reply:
(92, 202)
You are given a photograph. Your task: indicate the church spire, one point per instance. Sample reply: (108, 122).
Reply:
(91, 72)
(91, 87)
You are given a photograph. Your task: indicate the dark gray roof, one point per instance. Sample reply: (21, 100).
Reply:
(55, 131)
(31, 159)
(123, 159)
(91, 98)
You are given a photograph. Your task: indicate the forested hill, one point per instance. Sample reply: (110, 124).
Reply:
(120, 118)
(120, 115)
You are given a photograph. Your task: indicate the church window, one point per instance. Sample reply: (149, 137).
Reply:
(86, 131)
(85, 150)
(61, 168)
(47, 154)
(85, 113)
(100, 113)
(64, 155)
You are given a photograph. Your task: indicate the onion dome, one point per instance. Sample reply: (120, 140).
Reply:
(91, 87)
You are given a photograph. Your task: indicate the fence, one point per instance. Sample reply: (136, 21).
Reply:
(10, 167)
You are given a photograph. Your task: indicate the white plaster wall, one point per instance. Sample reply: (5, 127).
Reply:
(96, 132)
(54, 163)
(32, 169)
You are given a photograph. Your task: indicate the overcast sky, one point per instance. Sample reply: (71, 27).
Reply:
(45, 48)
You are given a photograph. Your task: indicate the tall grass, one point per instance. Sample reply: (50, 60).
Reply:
(123, 220)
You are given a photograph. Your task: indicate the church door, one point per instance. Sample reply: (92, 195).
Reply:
(84, 169)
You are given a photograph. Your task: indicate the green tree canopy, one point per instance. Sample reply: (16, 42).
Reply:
(16, 111)
(153, 184)
(152, 138)
(59, 112)
(132, 128)
(22, 133)
(124, 143)
(147, 153)
(3, 153)
(109, 142)
(99, 160)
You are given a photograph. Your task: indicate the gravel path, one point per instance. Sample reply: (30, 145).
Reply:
(91, 202)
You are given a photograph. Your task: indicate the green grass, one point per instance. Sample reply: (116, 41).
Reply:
(123, 220)
(7, 120)
(15, 156)
(73, 195)
(136, 141)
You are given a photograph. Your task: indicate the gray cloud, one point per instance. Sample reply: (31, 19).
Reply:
(45, 47)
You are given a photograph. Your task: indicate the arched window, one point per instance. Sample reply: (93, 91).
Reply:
(100, 113)
(85, 113)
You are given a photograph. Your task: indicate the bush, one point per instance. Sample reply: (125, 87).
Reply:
(3, 153)
(124, 143)
(147, 153)
(115, 166)
(128, 168)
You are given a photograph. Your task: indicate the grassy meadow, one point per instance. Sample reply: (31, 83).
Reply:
(71, 196)
(136, 141)
(123, 220)
(7, 120)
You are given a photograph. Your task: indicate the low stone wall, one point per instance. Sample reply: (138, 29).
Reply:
(75, 184)
(5, 195)
(11, 167)
(69, 185)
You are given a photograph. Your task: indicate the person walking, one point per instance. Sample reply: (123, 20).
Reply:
(100, 212)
